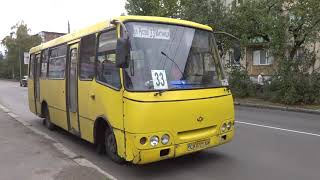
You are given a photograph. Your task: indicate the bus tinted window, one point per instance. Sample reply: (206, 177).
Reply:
(31, 66)
(44, 63)
(57, 62)
(107, 72)
(87, 54)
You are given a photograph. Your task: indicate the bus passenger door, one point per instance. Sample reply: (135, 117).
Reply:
(72, 89)
(31, 90)
(37, 70)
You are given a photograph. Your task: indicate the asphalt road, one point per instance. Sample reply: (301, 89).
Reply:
(269, 144)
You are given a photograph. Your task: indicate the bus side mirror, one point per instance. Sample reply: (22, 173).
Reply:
(122, 53)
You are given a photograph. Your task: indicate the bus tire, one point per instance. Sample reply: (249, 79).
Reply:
(46, 121)
(111, 147)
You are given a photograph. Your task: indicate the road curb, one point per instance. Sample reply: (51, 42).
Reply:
(10, 80)
(282, 108)
(59, 146)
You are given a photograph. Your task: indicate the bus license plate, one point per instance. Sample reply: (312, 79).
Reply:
(198, 145)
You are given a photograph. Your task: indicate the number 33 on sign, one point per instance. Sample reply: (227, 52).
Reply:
(159, 79)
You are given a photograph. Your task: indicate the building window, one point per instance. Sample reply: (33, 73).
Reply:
(57, 62)
(262, 57)
(300, 54)
(107, 72)
(87, 54)
(231, 58)
(44, 63)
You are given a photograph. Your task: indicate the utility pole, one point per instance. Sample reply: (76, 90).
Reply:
(68, 27)
(20, 63)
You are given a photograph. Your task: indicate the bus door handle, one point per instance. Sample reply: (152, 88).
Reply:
(93, 96)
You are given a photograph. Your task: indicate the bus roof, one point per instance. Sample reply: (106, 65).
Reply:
(105, 24)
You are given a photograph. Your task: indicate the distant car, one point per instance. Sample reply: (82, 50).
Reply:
(24, 81)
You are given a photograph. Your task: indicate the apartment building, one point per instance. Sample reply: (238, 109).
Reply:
(48, 36)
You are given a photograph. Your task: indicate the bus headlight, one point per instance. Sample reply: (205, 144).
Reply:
(229, 125)
(224, 127)
(165, 139)
(154, 140)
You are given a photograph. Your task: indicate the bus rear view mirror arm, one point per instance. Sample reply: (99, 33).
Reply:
(123, 47)
(236, 46)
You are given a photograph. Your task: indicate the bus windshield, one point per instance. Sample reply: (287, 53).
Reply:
(167, 56)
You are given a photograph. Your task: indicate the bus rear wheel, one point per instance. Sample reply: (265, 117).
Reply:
(111, 147)
(46, 121)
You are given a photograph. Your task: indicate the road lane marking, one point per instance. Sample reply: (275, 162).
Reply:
(277, 128)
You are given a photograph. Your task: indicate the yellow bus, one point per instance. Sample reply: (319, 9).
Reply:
(142, 89)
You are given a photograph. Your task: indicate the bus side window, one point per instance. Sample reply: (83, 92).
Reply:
(87, 54)
(31, 66)
(57, 62)
(44, 63)
(107, 72)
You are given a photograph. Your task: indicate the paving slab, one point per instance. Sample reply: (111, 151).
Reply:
(26, 155)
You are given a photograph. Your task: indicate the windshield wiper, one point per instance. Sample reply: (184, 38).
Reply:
(159, 92)
(163, 53)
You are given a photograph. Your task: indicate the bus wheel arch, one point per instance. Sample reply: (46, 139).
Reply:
(103, 135)
(100, 126)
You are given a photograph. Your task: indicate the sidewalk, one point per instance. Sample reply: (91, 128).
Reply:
(28, 156)
(260, 103)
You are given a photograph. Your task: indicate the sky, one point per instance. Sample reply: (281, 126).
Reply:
(53, 15)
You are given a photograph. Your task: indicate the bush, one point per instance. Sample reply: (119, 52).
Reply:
(294, 87)
(291, 84)
(240, 83)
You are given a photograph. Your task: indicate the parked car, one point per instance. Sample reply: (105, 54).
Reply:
(24, 81)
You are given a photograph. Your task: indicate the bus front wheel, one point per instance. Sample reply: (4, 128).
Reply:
(111, 147)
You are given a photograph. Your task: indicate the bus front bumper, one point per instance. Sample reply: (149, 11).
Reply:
(161, 153)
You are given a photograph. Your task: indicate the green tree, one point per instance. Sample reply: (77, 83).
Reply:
(16, 43)
(285, 27)
(163, 8)
(3, 67)
(1, 56)
(211, 12)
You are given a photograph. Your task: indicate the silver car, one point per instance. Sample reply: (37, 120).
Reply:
(24, 81)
